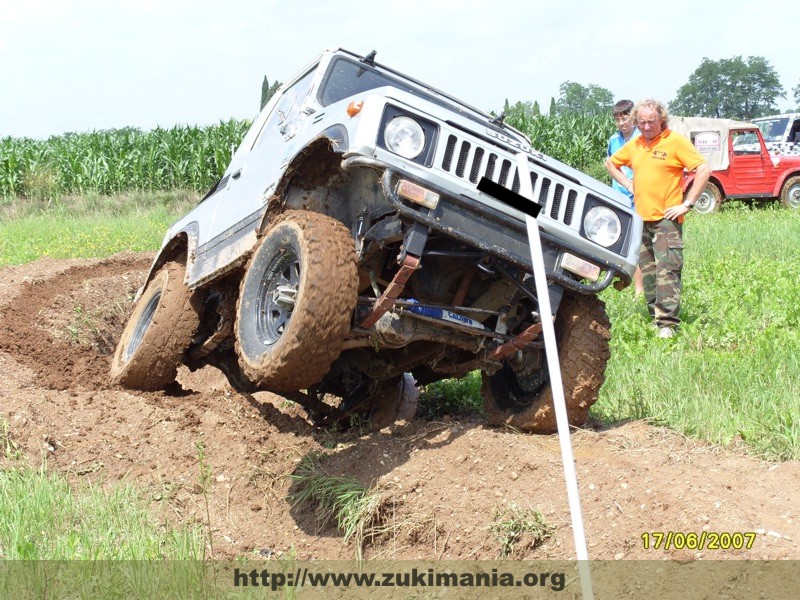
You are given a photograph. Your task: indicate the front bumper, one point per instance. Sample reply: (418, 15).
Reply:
(495, 233)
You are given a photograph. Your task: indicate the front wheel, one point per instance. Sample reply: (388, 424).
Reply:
(296, 301)
(158, 332)
(790, 193)
(519, 394)
(709, 201)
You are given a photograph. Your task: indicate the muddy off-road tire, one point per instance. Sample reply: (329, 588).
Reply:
(295, 302)
(524, 400)
(709, 201)
(158, 332)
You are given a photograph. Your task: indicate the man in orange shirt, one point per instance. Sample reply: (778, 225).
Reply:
(658, 157)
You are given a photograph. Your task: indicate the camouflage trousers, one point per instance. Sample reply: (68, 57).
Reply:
(661, 261)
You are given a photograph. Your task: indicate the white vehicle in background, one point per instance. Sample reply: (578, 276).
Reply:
(781, 133)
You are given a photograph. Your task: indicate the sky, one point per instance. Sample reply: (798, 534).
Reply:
(84, 65)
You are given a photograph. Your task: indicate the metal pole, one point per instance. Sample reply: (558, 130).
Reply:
(556, 383)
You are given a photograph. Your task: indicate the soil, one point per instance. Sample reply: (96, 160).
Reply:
(443, 482)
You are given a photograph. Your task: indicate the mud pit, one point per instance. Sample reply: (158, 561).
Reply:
(59, 321)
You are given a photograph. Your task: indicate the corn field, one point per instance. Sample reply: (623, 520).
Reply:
(578, 140)
(190, 157)
(120, 160)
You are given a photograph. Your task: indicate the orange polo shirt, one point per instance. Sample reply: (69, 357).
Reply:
(657, 170)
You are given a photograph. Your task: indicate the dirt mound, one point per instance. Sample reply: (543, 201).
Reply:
(64, 322)
(443, 483)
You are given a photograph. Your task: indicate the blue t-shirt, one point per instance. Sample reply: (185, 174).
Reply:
(615, 143)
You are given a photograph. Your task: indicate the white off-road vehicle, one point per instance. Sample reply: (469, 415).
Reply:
(348, 244)
(781, 133)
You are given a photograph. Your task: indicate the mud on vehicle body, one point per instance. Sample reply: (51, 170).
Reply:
(347, 245)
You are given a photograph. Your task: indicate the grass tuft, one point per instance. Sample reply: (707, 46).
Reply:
(357, 510)
(519, 529)
(452, 397)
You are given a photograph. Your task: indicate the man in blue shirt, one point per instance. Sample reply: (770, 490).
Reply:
(627, 130)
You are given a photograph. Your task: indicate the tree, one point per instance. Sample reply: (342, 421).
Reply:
(796, 92)
(732, 88)
(553, 108)
(267, 91)
(584, 100)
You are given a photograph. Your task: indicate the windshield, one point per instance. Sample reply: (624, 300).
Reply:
(346, 78)
(773, 129)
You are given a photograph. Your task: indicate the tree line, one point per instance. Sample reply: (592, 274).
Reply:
(732, 88)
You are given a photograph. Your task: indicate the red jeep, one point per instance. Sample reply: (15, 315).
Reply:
(741, 165)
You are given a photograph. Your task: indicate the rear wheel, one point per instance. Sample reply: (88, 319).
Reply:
(395, 400)
(380, 402)
(296, 301)
(158, 332)
(790, 193)
(520, 395)
(709, 201)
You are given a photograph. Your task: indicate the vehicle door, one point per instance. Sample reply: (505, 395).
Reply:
(750, 165)
(256, 172)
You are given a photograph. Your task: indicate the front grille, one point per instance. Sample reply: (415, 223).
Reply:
(467, 160)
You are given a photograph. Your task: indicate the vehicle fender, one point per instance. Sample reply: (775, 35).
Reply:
(781, 180)
(183, 243)
(323, 154)
(688, 180)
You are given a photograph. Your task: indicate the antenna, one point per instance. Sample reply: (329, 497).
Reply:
(369, 59)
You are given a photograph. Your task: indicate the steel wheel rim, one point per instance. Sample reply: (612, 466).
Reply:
(277, 293)
(142, 325)
(704, 203)
(793, 196)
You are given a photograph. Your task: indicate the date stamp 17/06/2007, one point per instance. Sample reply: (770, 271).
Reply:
(704, 540)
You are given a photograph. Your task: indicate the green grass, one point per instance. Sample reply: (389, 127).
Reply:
(356, 509)
(42, 517)
(89, 227)
(733, 371)
(451, 397)
(516, 528)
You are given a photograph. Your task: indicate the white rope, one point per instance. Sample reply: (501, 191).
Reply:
(556, 383)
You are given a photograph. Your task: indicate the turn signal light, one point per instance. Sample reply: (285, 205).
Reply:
(354, 108)
(580, 267)
(417, 194)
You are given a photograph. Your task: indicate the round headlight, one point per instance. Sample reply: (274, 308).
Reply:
(404, 136)
(602, 226)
